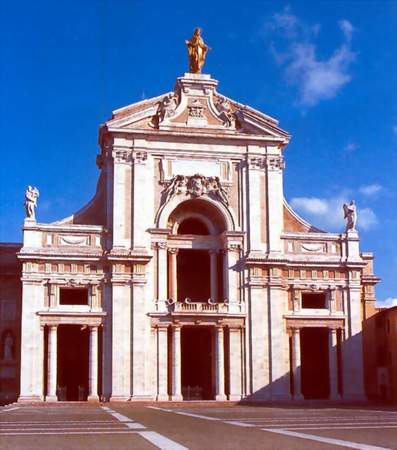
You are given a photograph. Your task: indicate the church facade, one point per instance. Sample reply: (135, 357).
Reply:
(188, 276)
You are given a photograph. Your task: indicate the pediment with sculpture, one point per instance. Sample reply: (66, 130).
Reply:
(195, 186)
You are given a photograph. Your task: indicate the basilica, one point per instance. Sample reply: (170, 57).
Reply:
(187, 276)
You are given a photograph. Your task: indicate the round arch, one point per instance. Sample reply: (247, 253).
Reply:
(224, 214)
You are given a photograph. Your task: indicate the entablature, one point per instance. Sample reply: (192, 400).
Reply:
(71, 318)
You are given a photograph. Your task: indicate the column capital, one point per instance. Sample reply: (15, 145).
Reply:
(173, 250)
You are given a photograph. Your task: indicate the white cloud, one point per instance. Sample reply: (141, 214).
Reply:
(351, 147)
(388, 303)
(366, 218)
(327, 213)
(311, 205)
(370, 190)
(317, 79)
(347, 28)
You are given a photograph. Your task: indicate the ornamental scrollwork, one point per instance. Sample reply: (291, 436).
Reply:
(196, 186)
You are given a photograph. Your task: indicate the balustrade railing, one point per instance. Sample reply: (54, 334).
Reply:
(189, 307)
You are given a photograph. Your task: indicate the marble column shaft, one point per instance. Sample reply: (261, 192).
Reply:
(52, 364)
(93, 365)
(219, 365)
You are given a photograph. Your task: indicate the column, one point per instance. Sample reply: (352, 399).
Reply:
(176, 364)
(235, 363)
(219, 365)
(93, 365)
(52, 364)
(231, 281)
(333, 365)
(296, 364)
(162, 271)
(173, 281)
(121, 341)
(214, 275)
(162, 357)
(32, 344)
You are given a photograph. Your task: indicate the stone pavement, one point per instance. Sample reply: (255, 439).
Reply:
(195, 426)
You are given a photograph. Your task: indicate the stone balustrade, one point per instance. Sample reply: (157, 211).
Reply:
(189, 307)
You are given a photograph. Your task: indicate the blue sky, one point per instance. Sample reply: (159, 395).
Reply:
(326, 70)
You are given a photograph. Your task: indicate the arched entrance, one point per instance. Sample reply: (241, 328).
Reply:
(196, 276)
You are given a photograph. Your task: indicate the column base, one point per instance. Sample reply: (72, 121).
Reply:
(162, 398)
(119, 398)
(220, 397)
(142, 398)
(30, 398)
(51, 398)
(298, 398)
(93, 398)
(176, 398)
(235, 397)
(354, 397)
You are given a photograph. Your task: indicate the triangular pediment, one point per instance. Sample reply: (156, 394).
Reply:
(196, 107)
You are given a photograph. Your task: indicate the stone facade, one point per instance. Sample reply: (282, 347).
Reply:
(188, 275)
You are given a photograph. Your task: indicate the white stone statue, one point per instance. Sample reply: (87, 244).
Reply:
(350, 211)
(168, 106)
(7, 347)
(31, 196)
(225, 112)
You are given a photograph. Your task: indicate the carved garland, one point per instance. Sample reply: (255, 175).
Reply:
(196, 186)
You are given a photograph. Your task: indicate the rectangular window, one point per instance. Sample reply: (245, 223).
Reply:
(73, 296)
(313, 300)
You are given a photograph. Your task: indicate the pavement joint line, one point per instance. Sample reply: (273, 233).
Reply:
(161, 441)
(57, 433)
(182, 413)
(9, 409)
(326, 440)
(63, 429)
(239, 424)
(343, 427)
(57, 421)
(157, 439)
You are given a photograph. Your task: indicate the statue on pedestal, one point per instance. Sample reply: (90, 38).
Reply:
(350, 211)
(197, 51)
(31, 196)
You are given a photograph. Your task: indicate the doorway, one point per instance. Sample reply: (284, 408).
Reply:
(315, 363)
(197, 363)
(73, 348)
(193, 269)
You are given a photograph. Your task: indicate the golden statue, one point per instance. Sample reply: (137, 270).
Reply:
(197, 50)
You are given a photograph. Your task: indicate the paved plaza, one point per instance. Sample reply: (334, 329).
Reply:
(195, 426)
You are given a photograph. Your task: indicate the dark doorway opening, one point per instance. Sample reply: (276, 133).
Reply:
(315, 363)
(197, 363)
(72, 362)
(193, 269)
